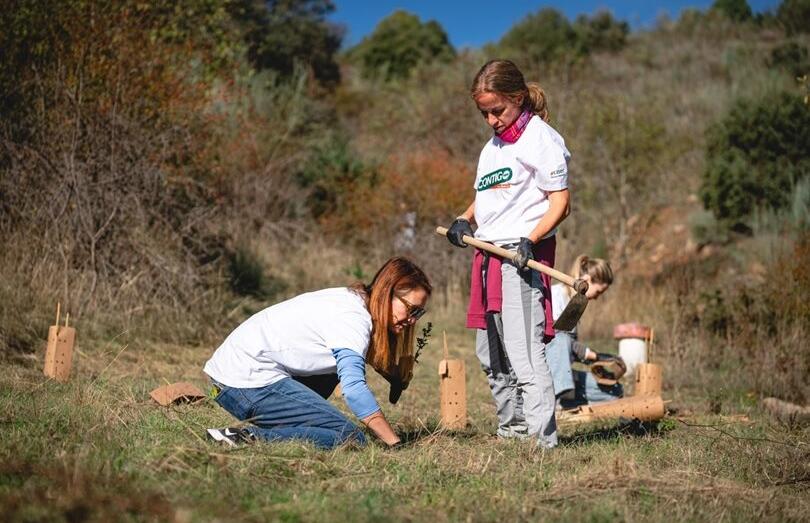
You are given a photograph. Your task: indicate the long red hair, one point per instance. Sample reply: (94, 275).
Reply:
(397, 276)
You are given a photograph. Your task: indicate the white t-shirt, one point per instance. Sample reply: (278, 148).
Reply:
(513, 181)
(292, 338)
(559, 300)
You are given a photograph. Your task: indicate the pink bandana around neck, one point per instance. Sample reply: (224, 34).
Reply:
(516, 128)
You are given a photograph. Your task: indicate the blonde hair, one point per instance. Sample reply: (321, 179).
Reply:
(504, 78)
(597, 269)
(397, 276)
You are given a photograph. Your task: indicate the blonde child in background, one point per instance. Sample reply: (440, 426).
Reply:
(565, 348)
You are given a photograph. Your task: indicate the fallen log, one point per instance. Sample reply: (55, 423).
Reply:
(787, 412)
(642, 408)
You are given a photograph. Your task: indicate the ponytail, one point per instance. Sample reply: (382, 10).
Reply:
(536, 101)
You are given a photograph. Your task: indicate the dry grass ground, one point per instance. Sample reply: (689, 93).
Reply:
(98, 449)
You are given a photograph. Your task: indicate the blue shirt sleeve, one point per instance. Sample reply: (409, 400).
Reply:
(351, 370)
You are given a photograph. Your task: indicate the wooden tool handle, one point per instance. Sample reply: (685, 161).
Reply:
(510, 255)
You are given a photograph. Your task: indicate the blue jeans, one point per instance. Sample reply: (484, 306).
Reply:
(560, 356)
(289, 410)
(586, 389)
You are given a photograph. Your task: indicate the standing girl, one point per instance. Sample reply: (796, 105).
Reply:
(521, 196)
(277, 369)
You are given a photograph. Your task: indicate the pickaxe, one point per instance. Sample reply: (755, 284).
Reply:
(573, 311)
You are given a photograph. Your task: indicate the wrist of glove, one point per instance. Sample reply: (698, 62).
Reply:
(397, 385)
(608, 369)
(524, 253)
(458, 229)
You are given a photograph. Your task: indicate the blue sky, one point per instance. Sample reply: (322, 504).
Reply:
(472, 23)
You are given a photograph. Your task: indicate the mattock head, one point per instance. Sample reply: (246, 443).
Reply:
(569, 317)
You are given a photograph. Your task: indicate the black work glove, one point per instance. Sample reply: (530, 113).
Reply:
(457, 229)
(608, 368)
(397, 386)
(524, 253)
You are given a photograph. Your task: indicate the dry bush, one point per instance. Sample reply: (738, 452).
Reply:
(431, 109)
(719, 327)
(117, 200)
(97, 200)
(101, 220)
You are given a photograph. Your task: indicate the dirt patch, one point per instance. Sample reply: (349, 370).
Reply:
(660, 239)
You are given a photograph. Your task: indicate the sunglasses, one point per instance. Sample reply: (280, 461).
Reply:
(414, 312)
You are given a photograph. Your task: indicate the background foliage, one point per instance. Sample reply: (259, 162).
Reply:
(399, 43)
(755, 156)
(168, 168)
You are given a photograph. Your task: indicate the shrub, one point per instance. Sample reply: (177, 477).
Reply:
(754, 157)
(737, 10)
(333, 175)
(280, 34)
(543, 37)
(791, 57)
(399, 43)
(143, 154)
(705, 228)
(547, 36)
(793, 218)
(626, 145)
(794, 15)
(601, 32)
(247, 275)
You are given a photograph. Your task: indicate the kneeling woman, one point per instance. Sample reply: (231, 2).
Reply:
(277, 369)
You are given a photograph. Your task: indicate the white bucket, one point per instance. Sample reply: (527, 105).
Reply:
(633, 351)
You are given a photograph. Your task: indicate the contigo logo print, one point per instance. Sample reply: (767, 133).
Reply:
(494, 178)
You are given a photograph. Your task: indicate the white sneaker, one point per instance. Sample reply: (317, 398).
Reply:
(513, 432)
(230, 436)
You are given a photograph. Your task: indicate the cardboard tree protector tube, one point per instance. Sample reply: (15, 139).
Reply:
(453, 394)
(643, 408)
(59, 351)
(452, 391)
(648, 379)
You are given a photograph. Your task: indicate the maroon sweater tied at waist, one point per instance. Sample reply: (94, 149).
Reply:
(543, 252)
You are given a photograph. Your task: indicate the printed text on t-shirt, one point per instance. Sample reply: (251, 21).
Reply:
(559, 171)
(494, 178)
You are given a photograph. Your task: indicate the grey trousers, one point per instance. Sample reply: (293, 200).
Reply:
(522, 388)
